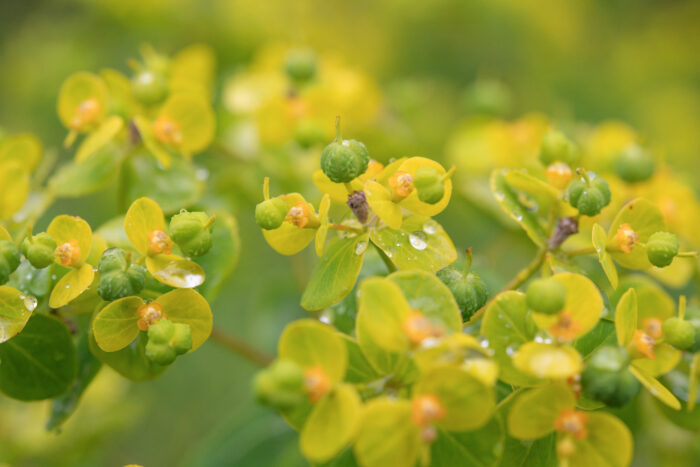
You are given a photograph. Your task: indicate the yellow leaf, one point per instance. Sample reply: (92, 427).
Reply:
(548, 361)
(144, 216)
(626, 317)
(115, 326)
(656, 389)
(310, 344)
(384, 310)
(379, 199)
(101, 136)
(186, 306)
(67, 229)
(412, 203)
(323, 219)
(533, 413)
(175, 271)
(25, 148)
(70, 286)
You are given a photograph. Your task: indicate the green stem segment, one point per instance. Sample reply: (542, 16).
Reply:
(236, 345)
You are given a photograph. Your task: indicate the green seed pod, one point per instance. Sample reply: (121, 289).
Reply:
(300, 65)
(161, 354)
(344, 161)
(40, 250)
(429, 185)
(546, 296)
(118, 279)
(308, 134)
(469, 290)
(607, 378)
(556, 147)
(192, 232)
(662, 247)
(181, 340)
(679, 333)
(280, 385)
(161, 332)
(590, 195)
(9, 260)
(634, 164)
(149, 87)
(271, 213)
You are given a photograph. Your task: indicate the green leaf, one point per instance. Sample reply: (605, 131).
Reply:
(115, 326)
(40, 362)
(175, 271)
(509, 202)
(420, 243)
(311, 344)
(652, 300)
(507, 325)
(24, 148)
(335, 273)
(626, 317)
(599, 243)
(533, 413)
(521, 180)
(331, 424)
(538, 453)
(386, 435)
(429, 295)
(359, 370)
(481, 448)
(383, 310)
(667, 358)
(656, 389)
(548, 361)
(95, 172)
(609, 443)
(603, 333)
(221, 260)
(131, 361)
(467, 402)
(186, 306)
(14, 180)
(645, 219)
(99, 138)
(15, 310)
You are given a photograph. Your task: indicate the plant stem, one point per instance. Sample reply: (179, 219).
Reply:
(242, 348)
(387, 262)
(520, 278)
(582, 251)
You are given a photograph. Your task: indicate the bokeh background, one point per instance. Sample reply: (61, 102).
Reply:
(580, 60)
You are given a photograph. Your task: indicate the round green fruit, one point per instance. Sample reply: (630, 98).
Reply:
(469, 290)
(40, 250)
(607, 378)
(634, 164)
(344, 161)
(280, 385)
(679, 333)
(429, 185)
(547, 296)
(270, 213)
(556, 147)
(300, 65)
(662, 247)
(149, 87)
(9, 260)
(192, 232)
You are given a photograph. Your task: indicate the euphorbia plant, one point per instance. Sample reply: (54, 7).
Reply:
(431, 373)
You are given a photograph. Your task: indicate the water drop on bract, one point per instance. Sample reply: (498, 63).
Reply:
(360, 248)
(483, 342)
(430, 227)
(29, 302)
(511, 349)
(417, 240)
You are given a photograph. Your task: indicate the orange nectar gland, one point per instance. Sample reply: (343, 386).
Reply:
(401, 183)
(299, 214)
(149, 314)
(167, 131)
(159, 242)
(316, 383)
(558, 174)
(573, 422)
(68, 253)
(626, 237)
(642, 345)
(574, 383)
(426, 409)
(418, 328)
(566, 328)
(653, 327)
(374, 168)
(85, 114)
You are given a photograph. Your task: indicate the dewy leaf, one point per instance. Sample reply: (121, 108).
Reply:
(467, 402)
(609, 443)
(175, 271)
(40, 362)
(656, 389)
(379, 199)
(131, 361)
(335, 273)
(482, 447)
(65, 229)
(645, 219)
(600, 240)
(70, 286)
(15, 310)
(626, 317)
(24, 148)
(78, 179)
(115, 326)
(533, 413)
(310, 344)
(427, 294)
(386, 435)
(584, 304)
(144, 216)
(548, 361)
(420, 243)
(509, 202)
(507, 325)
(383, 310)
(100, 137)
(331, 424)
(223, 257)
(188, 307)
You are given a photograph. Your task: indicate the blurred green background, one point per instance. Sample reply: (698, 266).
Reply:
(633, 60)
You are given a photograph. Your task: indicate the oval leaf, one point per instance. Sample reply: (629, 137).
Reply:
(508, 200)
(188, 307)
(70, 286)
(626, 317)
(311, 343)
(656, 389)
(65, 229)
(144, 216)
(548, 361)
(175, 271)
(15, 310)
(115, 326)
(600, 240)
(533, 413)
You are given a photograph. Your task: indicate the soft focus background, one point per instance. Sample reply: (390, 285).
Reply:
(426, 66)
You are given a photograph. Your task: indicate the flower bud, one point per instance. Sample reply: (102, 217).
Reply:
(280, 385)
(429, 185)
(118, 279)
(167, 340)
(634, 164)
(556, 147)
(192, 232)
(679, 333)
(469, 290)
(149, 87)
(662, 247)
(270, 213)
(40, 250)
(590, 195)
(9, 260)
(546, 296)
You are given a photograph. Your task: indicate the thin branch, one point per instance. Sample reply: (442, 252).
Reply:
(242, 348)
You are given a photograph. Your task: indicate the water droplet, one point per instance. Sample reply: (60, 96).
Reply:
(325, 318)
(183, 210)
(511, 349)
(29, 302)
(430, 227)
(483, 342)
(417, 240)
(201, 174)
(429, 342)
(53, 277)
(360, 248)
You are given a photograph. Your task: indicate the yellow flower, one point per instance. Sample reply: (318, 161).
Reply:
(626, 237)
(572, 421)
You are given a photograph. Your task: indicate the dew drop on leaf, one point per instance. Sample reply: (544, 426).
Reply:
(360, 248)
(418, 241)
